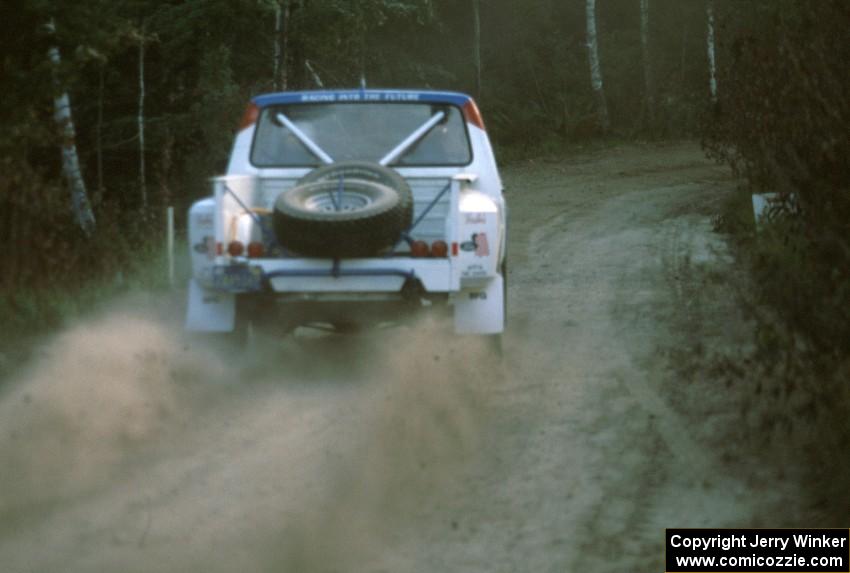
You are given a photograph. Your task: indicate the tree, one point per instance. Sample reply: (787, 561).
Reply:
(281, 41)
(596, 68)
(80, 204)
(476, 44)
(141, 120)
(711, 49)
(649, 88)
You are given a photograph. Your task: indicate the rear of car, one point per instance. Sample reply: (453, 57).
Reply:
(350, 206)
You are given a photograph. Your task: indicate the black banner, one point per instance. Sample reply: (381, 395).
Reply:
(757, 550)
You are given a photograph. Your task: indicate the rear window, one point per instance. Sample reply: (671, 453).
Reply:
(360, 131)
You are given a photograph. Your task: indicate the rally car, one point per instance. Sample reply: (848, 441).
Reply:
(347, 207)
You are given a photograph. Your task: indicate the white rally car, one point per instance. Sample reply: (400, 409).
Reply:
(341, 207)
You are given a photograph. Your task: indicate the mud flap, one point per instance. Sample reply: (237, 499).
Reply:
(481, 310)
(210, 311)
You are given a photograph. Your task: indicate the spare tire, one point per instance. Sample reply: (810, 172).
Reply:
(359, 219)
(366, 171)
(360, 170)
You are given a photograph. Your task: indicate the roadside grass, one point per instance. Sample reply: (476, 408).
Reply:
(798, 370)
(735, 217)
(29, 315)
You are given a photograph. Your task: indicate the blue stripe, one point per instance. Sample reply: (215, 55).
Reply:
(289, 98)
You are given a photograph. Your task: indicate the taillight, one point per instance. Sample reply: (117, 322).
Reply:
(419, 249)
(472, 115)
(256, 250)
(439, 249)
(252, 112)
(235, 249)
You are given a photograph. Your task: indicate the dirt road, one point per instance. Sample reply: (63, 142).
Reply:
(125, 447)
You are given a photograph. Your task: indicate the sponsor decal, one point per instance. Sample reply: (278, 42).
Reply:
(237, 278)
(204, 220)
(359, 96)
(204, 246)
(474, 271)
(318, 97)
(479, 244)
(476, 218)
(482, 247)
(401, 97)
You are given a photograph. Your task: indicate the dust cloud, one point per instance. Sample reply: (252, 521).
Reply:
(91, 397)
(118, 408)
(421, 423)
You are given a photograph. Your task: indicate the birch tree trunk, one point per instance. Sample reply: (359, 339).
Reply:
(80, 204)
(141, 119)
(596, 68)
(648, 84)
(712, 54)
(362, 27)
(476, 46)
(316, 78)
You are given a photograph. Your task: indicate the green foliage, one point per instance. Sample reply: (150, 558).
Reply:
(782, 122)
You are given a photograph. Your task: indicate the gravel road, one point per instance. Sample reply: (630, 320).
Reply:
(126, 447)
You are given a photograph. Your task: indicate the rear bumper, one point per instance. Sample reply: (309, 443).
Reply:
(385, 275)
(353, 290)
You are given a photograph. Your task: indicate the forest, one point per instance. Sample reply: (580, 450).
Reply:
(669, 359)
(112, 111)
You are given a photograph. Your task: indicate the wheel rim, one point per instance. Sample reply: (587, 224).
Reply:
(329, 202)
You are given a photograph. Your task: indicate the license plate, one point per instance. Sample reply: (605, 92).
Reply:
(241, 278)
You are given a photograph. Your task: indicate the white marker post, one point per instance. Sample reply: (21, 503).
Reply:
(169, 241)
